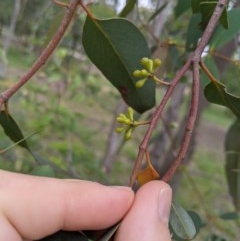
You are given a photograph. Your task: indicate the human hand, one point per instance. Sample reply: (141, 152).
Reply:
(34, 207)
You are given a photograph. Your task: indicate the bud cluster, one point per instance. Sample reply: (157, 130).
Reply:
(147, 72)
(128, 123)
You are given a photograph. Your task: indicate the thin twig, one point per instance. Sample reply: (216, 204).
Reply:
(5, 95)
(190, 125)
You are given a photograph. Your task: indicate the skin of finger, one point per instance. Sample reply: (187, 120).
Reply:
(142, 222)
(39, 206)
(8, 232)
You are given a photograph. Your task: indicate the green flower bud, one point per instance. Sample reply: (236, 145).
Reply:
(128, 134)
(121, 119)
(149, 67)
(130, 113)
(122, 115)
(128, 121)
(140, 83)
(144, 73)
(144, 61)
(119, 129)
(156, 63)
(137, 73)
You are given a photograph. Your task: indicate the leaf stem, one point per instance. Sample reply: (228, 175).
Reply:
(60, 3)
(159, 81)
(207, 72)
(140, 123)
(86, 10)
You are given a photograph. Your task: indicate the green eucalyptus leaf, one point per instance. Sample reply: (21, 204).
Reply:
(198, 222)
(232, 166)
(181, 7)
(195, 6)
(222, 36)
(127, 8)
(181, 223)
(212, 67)
(116, 47)
(216, 92)
(231, 216)
(12, 129)
(193, 33)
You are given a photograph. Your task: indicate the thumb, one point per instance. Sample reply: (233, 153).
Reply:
(149, 215)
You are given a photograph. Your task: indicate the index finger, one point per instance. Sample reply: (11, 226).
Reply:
(35, 207)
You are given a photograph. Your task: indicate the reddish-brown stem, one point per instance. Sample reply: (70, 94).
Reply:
(193, 60)
(60, 3)
(86, 10)
(207, 72)
(189, 126)
(4, 96)
(141, 123)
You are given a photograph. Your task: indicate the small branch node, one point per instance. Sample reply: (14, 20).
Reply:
(4, 97)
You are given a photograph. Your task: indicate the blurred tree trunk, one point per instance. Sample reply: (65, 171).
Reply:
(114, 141)
(8, 37)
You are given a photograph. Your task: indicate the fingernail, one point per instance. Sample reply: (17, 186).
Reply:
(122, 188)
(164, 204)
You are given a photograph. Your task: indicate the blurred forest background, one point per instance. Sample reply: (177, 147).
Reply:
(75, 107)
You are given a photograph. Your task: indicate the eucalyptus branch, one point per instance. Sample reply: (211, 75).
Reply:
(42, 59)
(190, 124)
(193, 62)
